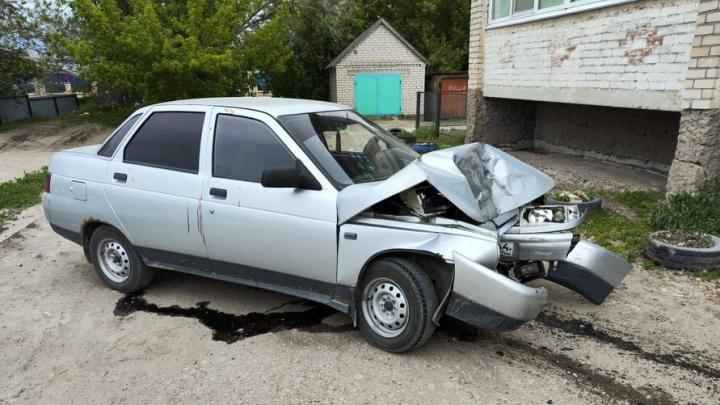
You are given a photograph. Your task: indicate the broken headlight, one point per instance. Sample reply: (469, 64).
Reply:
(557, 214)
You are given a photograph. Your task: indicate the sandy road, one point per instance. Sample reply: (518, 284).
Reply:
(65, 338)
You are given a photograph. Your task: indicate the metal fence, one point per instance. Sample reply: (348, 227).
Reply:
(440, 109)
(18, 108)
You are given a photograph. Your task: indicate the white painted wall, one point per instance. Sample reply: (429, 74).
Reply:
(634, 55)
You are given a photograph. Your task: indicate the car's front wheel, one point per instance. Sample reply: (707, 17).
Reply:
(396, 305)
(116, 261)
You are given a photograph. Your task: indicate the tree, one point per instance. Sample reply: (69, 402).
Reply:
(162, 50)
(16, 32)
(305, 35)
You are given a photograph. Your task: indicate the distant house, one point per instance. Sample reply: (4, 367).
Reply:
(379, 73)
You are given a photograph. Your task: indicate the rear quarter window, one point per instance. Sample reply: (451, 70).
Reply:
(169, 140)
(108, 149)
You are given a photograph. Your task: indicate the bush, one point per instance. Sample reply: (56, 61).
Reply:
(698, 212)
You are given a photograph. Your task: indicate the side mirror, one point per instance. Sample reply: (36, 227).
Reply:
(289, 177)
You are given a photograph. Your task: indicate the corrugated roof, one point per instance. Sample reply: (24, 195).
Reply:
(367, 33)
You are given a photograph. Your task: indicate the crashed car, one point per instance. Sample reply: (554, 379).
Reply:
(313, 200)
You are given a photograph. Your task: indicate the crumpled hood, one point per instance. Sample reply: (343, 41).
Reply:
(480, 180)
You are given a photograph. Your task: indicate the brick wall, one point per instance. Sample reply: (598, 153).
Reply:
(634, 55)
(701, 86)
(380, 52)
(476, 58)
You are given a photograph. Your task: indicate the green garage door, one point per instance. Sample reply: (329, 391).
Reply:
(378, 94)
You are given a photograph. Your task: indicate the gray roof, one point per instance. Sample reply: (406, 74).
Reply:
(369, 31)
(274, 106)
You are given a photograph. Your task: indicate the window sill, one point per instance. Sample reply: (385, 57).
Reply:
(555, 12)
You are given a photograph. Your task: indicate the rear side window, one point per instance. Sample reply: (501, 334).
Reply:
(170, 140)
(244, 148)
(108, 149)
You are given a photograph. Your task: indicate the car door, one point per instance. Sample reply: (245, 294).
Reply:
(278, 238)
(154, 184)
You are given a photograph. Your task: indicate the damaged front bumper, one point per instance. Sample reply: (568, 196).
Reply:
(485, 298)
(590, 271)
(489, 300)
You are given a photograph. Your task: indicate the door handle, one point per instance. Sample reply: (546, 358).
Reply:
(218, 192)
(121, 177)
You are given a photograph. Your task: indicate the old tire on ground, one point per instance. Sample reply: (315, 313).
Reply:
(116, 261)
(684, 258)
(594, 205)
(396, 305)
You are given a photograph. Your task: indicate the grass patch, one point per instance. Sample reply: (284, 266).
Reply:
(447, 139)
(620, 234)
(21, 193)
(642, 202)
(91, 113)
(88, 113)
(690, 212)
(19, 123)
(710, 275)
(623, 236)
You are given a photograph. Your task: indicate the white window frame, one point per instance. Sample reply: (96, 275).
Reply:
(536, 13)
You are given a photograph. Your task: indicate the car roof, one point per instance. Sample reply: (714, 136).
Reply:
(274, 106)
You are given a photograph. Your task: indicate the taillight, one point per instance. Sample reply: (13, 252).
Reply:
(46, 188)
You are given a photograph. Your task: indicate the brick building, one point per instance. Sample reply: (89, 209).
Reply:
(629, 81)
(379, 73)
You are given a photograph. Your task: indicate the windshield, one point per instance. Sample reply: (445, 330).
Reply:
(348, 147)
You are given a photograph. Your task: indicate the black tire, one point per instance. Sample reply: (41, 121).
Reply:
(421, 300)
(594, 205)
(684, 258)
(137, 276)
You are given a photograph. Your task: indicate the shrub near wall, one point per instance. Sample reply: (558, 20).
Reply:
(699, 212)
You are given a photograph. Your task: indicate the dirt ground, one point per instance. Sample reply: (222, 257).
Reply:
(65, 338)
(29, 147)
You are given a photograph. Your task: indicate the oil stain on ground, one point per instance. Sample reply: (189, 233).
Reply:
(585, 377)
(230, 328)
(587, 329)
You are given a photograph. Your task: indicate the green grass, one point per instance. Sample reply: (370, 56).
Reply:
(699, 212)
(710, 275)
(21, 193)
(108, 116)
(447, 139)
(88, 113)
(627, 236)
(642, 202)
(622, 235)
(19, 123)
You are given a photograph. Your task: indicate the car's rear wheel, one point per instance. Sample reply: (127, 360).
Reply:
(116, 261)
(396, 305)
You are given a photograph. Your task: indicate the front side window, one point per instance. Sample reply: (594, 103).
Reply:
(108, 149)
(245, 147)
(348, 148)
(169, 140)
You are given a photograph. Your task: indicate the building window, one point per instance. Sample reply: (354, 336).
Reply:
(506, 12)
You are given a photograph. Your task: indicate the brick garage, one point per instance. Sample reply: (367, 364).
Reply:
(633, 82)
(381, 54)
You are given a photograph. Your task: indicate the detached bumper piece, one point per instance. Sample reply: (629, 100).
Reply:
(590, 271)
(489, 300)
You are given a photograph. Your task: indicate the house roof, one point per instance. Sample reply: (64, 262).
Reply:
(366, 34)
